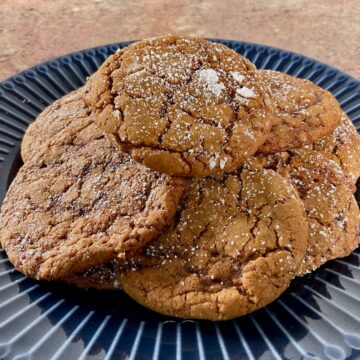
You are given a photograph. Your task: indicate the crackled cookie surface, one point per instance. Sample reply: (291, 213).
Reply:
(181, 105)
(54, 119)
(80, 203)
(234, 247)
(303, 111)
(332, 212)
(342, 146)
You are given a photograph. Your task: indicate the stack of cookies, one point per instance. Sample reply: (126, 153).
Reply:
(189, 179)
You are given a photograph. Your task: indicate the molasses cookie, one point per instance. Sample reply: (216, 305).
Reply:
(342, 146)
(332, 212)
(304, 112)
(234, 247)
(80, 203)
(181, 105)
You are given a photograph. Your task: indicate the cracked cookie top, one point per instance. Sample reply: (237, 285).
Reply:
(303, 111)
(53, 120)
(234, 247)
(331, 209)
(181, 105)
(79, 203)
(342, 146)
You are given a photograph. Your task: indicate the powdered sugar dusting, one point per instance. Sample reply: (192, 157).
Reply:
(211, 79)
(246, 92)
(237, 76)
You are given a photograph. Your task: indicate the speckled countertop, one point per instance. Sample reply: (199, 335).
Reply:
(32, 31)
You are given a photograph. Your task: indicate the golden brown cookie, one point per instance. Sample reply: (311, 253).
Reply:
(68, 118)
(53, 120)
(181, 105)
(235, 245)
(304, 112)
(79, 203)
(342, 146)
(332, 212)
(65, 116)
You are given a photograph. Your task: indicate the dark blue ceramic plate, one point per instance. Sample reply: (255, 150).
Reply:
(318, 317)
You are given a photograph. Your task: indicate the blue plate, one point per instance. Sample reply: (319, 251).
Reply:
(318, 317)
